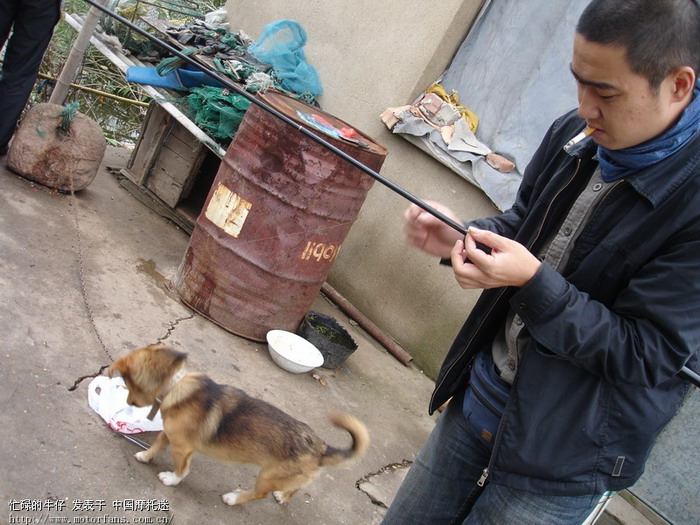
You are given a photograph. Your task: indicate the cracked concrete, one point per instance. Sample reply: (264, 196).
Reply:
(85, 279)
(78, 381)
(381, 486)
(172, 328)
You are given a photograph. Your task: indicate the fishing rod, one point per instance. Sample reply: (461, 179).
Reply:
(685, 372)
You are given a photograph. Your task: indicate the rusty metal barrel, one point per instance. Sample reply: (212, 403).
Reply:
(275, 219)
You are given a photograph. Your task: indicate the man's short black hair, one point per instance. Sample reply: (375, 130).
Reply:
(659, 35)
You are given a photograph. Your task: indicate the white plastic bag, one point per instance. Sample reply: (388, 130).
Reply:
(107, 396)
(217, 19)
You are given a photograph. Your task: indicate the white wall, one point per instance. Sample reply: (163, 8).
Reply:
(373, 55)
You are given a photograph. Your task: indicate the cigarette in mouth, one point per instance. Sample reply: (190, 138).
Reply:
(578, 138)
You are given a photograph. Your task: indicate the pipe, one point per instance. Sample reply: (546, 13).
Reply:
(372, 329)
(685, 373)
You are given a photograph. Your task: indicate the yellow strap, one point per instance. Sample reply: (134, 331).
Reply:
(453, 98)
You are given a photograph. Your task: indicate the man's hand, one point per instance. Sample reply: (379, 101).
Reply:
(427, 232)
(508, 264)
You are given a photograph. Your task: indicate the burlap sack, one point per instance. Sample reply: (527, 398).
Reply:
(42, 152)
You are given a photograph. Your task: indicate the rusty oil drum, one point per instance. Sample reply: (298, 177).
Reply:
(274, 221)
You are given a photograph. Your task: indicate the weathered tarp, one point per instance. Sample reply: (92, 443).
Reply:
(512, 70)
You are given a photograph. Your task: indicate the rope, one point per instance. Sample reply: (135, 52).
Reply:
(69, 112)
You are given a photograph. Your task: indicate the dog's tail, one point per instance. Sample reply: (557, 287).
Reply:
(360, 441)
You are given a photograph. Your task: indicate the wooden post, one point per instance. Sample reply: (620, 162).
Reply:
(75, 57)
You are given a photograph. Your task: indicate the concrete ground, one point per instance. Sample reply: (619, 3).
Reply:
(83, 280)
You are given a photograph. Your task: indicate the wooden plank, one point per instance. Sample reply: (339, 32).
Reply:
(150, 142)
(181, 142)
(167, 178)
(176, 165)
(173, 174)
(194, 175)
(199, 155)
(184, 221)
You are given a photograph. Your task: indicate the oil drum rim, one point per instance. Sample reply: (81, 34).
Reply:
(283, 103)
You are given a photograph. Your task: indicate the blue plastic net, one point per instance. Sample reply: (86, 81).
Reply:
(280, 45)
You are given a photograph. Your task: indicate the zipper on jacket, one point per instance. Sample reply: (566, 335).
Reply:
(499, 431)
(483, 478)
(496, 441)
(485, 474)
(497, 438)
(549, 207)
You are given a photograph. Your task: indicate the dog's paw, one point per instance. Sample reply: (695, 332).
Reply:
(169, 478)
(142, 457)
(280, 496)
(231, 498)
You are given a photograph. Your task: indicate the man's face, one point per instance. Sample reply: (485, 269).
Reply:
(617, 102)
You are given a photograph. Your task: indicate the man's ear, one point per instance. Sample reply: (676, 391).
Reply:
(683, 79)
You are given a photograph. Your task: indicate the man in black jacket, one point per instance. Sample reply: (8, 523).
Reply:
(32, 23)
(566, 369)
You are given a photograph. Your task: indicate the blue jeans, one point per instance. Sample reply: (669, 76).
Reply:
(441, 485)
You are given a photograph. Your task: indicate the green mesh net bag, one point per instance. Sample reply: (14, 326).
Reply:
(217, 111)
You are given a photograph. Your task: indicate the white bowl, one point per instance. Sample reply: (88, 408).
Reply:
(292, 352)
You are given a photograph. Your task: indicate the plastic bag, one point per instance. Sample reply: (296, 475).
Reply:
(217, 18)
(107, 396)
(280, 45)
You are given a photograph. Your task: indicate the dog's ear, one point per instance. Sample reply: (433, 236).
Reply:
(116, 369)
(163, 361)
(179, 357)
(166, 353)
(169, 355)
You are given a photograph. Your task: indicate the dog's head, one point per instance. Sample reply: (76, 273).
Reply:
(146, 371)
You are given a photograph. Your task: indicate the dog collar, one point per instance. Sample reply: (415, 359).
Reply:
(156, 406)
(154, 410)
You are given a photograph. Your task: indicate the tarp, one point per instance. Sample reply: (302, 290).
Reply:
(512, 70)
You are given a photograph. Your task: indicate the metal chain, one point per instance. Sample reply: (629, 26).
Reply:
(81, 272)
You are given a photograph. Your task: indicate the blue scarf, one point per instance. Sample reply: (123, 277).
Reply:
(616, 164)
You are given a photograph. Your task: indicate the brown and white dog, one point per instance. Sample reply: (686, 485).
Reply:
(230, 426)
